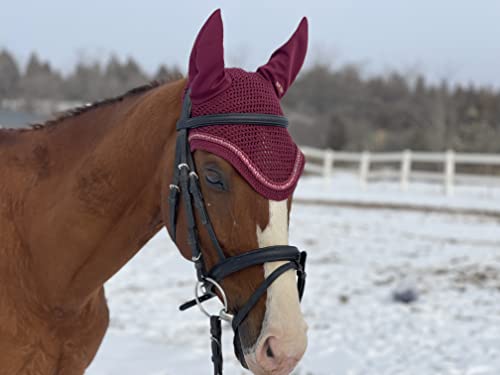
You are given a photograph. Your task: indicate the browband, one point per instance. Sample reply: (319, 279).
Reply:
(233, 118)
(188, 122)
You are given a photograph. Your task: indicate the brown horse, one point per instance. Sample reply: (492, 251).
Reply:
(80, 195)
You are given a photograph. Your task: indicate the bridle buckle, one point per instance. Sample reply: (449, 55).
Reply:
(183, 165)
(174, 187)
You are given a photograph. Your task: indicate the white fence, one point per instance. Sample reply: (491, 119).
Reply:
(322, 162)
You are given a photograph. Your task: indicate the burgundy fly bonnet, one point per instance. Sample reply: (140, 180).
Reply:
(265, 156)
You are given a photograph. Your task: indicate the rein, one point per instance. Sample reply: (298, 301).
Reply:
(185, 185)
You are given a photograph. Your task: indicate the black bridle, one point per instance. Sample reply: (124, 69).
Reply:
(185, 183)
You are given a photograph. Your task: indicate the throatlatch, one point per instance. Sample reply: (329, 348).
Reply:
(186, 184)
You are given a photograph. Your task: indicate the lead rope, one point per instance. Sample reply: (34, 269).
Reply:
(216, 337)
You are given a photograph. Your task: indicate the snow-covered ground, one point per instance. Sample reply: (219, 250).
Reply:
(345, 187)
(357, 257)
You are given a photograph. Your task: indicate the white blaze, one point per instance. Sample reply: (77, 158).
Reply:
(283, 317)
(276, 231)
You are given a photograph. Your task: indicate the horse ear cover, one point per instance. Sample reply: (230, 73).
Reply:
(265, 156)
(207, 77)
(285, 63)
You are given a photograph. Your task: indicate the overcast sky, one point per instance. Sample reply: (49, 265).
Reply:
(453, 39)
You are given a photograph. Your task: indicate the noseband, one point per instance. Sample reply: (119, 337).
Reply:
(185, 184)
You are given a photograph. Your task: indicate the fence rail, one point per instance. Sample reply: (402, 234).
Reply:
(322, 162)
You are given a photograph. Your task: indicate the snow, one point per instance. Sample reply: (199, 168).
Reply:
(357, 258)
(345, 187)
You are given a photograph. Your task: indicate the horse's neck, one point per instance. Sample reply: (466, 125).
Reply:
(98, 201)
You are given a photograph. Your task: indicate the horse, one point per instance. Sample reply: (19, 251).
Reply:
(81, 194)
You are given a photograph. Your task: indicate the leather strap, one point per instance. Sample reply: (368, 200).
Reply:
(233, 119)
(216, 338)
(252, 258)
(195, 191)
(188, 122)
(252, 301)
(175, 189)
(262, 288)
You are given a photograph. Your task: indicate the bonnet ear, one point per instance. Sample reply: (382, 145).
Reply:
(285, 63)
(207, 77)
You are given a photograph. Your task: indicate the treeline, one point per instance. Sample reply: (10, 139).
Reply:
(336, 108)
(342, 109)
(87, 82)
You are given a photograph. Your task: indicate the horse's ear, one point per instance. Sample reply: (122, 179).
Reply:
(206, 64)
(286, 61)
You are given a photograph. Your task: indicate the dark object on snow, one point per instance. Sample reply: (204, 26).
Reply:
(406, 295)
(344, 299)
(405, 292)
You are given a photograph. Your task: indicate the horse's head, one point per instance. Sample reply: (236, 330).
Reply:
(247, 174)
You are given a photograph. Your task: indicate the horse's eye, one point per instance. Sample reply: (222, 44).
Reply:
(215, 179)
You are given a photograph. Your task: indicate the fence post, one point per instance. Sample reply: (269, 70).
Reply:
(364, 168)
(449, 172)
(328, 166)
(405, 169)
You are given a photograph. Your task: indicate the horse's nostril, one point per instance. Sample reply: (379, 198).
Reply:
(275, 356)
(269, 352)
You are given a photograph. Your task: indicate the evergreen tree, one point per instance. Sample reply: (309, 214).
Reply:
(165, 74)
(40, 82)
(9, 75)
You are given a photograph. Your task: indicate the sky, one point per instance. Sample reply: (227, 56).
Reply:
(458, 40)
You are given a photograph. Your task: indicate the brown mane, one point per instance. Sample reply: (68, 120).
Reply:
(73, 112)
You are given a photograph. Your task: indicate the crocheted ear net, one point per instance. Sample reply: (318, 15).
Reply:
(265, 156)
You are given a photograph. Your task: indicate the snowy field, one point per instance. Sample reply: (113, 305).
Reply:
(357, 258)
(345, 187)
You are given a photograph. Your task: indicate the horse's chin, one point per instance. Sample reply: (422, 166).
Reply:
(251, 361)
